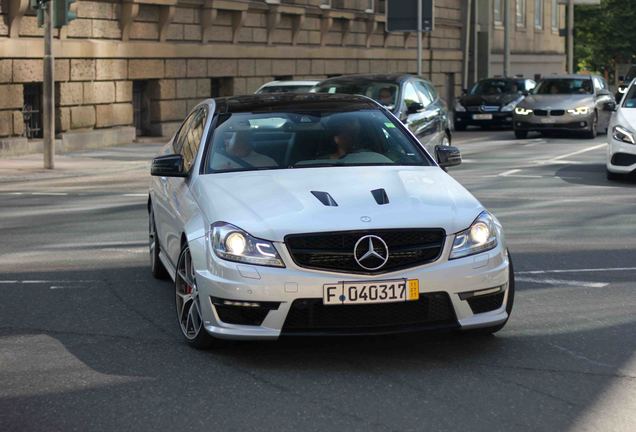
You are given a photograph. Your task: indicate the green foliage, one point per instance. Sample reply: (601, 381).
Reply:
(605, 35)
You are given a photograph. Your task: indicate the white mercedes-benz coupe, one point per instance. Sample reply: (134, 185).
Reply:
(318, 214)
(621, 137)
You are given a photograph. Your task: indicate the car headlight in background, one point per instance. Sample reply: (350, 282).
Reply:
(579, 111)
(459, 107)
(480, 237)
(523, 111)
(622, 89)
(620, 133)
(234, 244)
(511, 106)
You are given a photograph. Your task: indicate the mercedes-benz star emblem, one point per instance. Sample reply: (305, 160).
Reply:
(365, 219)
(371, 252)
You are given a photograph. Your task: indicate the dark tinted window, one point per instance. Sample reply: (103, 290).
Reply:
(494, 87)
(285, 89)
(385, 92)
(630, 98)
(565, 86)
(248, 141)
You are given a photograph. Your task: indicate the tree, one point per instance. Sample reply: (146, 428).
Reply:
(605, 35)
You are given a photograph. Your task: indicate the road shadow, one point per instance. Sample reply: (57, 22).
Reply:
(592, 175)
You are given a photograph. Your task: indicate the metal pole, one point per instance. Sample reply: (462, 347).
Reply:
(419, 37)
(467, 34)
(48, 89)
(570, 36)
(506, 11)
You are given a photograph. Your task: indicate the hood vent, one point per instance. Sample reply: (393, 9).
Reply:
(380, 196)
(325, 198)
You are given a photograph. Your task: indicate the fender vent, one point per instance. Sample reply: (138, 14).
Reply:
(325, 198)
(380, 196)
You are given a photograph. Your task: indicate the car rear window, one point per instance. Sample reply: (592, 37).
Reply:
(247, 141)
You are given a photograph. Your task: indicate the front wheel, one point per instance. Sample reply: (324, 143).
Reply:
(519, 134)
(188, 304)
(613, 176)
(591, 134)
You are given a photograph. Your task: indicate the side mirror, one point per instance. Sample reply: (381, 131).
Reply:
(168, 166)
(414, 107)
(448, 156)
(609, 106)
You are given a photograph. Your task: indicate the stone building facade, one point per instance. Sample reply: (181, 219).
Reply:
(136, 67)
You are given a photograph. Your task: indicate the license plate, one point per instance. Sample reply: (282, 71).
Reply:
(482, 116)
(387, 291)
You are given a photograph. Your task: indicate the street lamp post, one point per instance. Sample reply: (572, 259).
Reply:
(48, 88)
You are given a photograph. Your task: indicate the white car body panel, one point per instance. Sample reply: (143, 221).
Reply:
(625, 117)
(274, 203)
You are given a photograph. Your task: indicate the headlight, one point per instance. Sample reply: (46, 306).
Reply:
(480, 237)
(619, 133)
(622, 89)
(234, 244)
(511, 106)
(523, 111)
(579, 111)
(459, 107)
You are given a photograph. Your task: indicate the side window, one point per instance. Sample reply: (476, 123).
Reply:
(424, 93)
(193, 136)
(432, 91)
(597, 84)
(179, 139)
(410, 94)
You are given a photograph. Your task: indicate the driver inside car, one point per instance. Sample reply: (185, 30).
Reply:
(240, 154)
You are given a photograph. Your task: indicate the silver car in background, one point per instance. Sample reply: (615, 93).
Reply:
(621, 139)
(576, 103)
(287, 87)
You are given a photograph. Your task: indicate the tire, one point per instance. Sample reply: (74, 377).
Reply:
(156, 266)
(591, 134)
(188, 305)
(485, 331)
(520, 134)
(459, 126)
(613, 176)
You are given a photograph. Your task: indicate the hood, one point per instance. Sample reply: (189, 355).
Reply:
(626, 117)
(558, 101)
(496, 99)
(272, 204)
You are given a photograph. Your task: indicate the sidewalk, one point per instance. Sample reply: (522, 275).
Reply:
(105, 162)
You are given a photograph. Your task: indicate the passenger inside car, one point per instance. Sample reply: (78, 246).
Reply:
(386, 96)
(238, 153)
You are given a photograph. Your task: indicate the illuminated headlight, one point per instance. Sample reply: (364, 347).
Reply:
(523, 111)
(459, 107)
(479, 237)
(234, 244)
(622, 89)
(579, 111)
(619, 133)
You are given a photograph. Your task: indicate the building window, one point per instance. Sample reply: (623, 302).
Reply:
(497, 11)
(538, 14)
(32, 110)
(221, 87)
(325, 4)
(521, 13)
(556, 18)
(370, 7)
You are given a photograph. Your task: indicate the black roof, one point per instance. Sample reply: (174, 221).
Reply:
(273, 102)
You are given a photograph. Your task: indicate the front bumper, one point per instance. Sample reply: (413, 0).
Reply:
(280, 287)
(566, 122)
(497, 118)
(621, 157)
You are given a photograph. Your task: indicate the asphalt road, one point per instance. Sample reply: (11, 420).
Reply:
(89, 340)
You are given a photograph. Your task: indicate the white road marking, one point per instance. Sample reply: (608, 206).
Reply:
(135, 195)
(49, 193)
(20, 282)
(507, 173)
(582, 284)
(586, 270)
(565, 156)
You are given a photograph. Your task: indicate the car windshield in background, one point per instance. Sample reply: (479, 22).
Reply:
(383, 92)
(493, 87)
(630, 98)
(283, 140)
(286, 89)
(564, 86)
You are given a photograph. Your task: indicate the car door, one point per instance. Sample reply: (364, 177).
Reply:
(176, 189)
(435, 110)
(603, 98)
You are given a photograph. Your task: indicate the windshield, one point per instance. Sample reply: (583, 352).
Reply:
(630, 98)
(494, 87)
(630, 75)
(565, 86)
(286, 89)
(381, 91)
(287, 140)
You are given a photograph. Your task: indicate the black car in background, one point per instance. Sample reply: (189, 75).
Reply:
(490, 102)
(410, 98)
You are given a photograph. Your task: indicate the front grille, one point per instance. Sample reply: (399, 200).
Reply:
(540, 112)
(623, 159)
(486, 303)
(334, 251)
(311, 316)
(473, 108)
(557, 112)
(490, 108)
